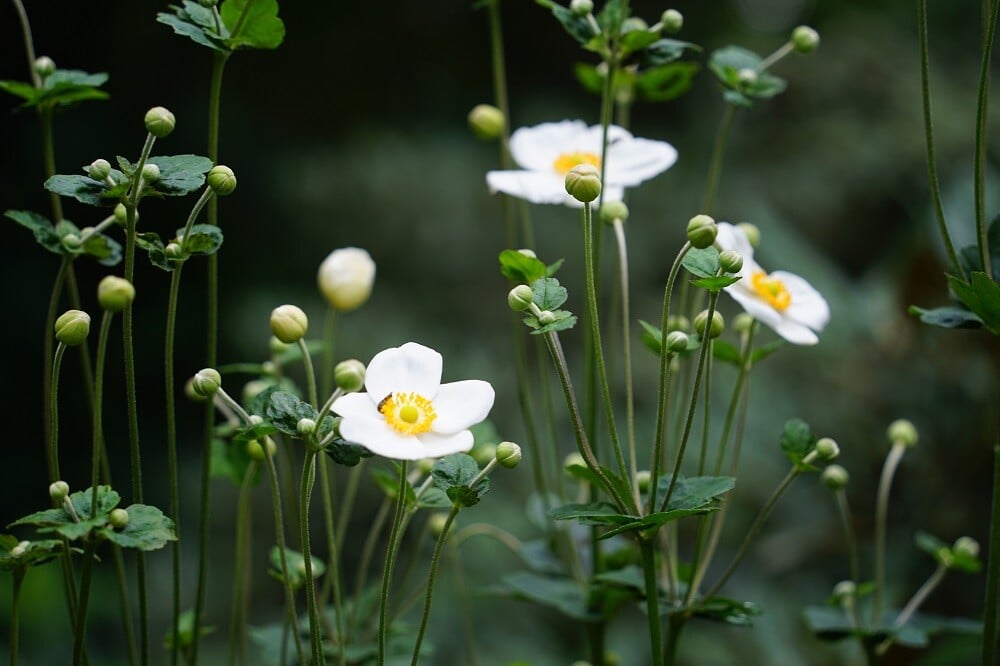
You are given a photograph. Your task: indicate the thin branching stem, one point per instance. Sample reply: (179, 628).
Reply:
(982, 124)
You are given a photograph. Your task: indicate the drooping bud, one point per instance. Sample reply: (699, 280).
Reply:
(44, 66)
(715, 330)
(827, 449)
(581, 7)
(159, 122)
(677, 341)
(487, 122)
(206, 382)
(672, 21)
(751, 231)
(345, 278)
(904, 432)
(730, 261)
(508, 455)
(118, 519)
(701, 231)
(72, 327)
(99, 169)
(58, 491)
(289, 323)
(222, 180)
(613, 210)
(115, 293)
(834, 477)
(805, 39)
(520, 298)
(583, 182)
(305, 427)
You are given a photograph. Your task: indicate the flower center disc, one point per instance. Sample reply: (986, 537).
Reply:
(567, 161)
(408, 413)
(771, 290)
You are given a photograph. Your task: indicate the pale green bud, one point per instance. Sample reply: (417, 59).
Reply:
(672, 21)
(253, 388)
(677, 341)
(276, 346)
(256, 419)
(72, 327)
(44, 66)
(289, 323)
(222, 180)
(305, 427)
(425, 465)
(678, 323)
(546, 317)
(520, 298)
(484, 453)
(835, 477)
(150, 173)
(159, 122)
(349, 375)
(269, 368)
(121, 214)
(115, 293)
(827, 449)
(173, 251)
(903, 432)
(730, 261)
(805, 39)
(487, 122)
(58, 491)
(508, 455)
(701, 231)
(966, 546)
(574, 459)
(845, 591)
(118, 519)
(20, 549)
(743, 322)
(257, 452)
(99, 169)
(643, 479)
(191, 393)
(346, 277)
(72, 241)
(613, 210)
(206, 382)
(528, 252)
(751, 231)
(583, 182)
(581, 7)
(747, 76)
(715, 330)
(436, 523)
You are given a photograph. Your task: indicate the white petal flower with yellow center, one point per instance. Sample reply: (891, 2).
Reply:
(407, 413)
(782, 300)
(548, 151)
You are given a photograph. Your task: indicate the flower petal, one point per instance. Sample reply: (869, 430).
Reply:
(536, 148)
(412, 367)
(435, 445)
(363, 405)
(459, 405)
(381, 439)
(631, 161)
(808, 305)
(540, 187)
(794, 332)
(755, 307)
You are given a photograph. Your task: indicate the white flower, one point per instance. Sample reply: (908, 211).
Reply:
(548, 151)
(407, 413)
(782, 300)
(345, 278)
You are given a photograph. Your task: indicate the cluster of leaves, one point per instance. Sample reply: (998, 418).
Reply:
(56, 238)
(730, 65)
(547, 293)
(63, 87)
(33, 554)
(179, 175)
(201, 240)
(234, 25)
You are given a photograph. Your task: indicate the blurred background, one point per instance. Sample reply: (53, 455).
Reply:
(353, 132)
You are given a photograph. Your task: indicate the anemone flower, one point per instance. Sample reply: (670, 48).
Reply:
(782, 300)
(548, 151)
(407, 413)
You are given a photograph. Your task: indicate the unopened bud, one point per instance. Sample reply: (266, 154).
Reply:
(805, 39)
(730, 261)
(484, 453)
(115, 293)
(583, 182)
(528, 252)
(715, 330)
(701, 231)
(834, 477)
(118, 519)
(72, 241)
(191, 393)
(436, 523)
(425, 465)
(44, 66)
(159, 122)
(903, 432)
(581, 7)
(289, 323)
(546, 317)
(747, 76)
(613, 210)
(305, 427)
(72, 327)
(257, 452)
(206, 382)
(222, 180)
(743, 322)
(150, 173)
(677, 341)
(520, 298)
(678, 323)
(508, 455)
(845, 591)
(346, 277)
(574, 459)
(487, 122)
(672, 21)
(58, 491)
(643, 479)
(827, 449)
(173, 251)
(349, 375)
(99, 169)
(966, 546)
(20, 549)
(751, 231)
(121, 214)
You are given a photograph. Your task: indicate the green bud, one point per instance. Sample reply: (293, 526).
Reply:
(546, 317)
(508, 455)
(190, 393)
(643, 479)
(425, 465)
(118, 519)
(903, 432)
(751, 232)
(834, 477)
(701, 231)
(256, 451)
(634, 24)
(672, 21)
(305, 427)
(71, 241)
(276, 346)
(436, 523)
(805, 39)
(583, 182)
(115, 293)
(678, 323)
(613, 210)
(20, 549)
(730, 261)
(528, 252)
(206, 382)
(574, 459)
(99, 169)
(743, 322)
(747, 76)
(349, 375)
(966, 546)
(487, 122)
(520, 298)
(174, 251)
(845, 591)
(150, 173)
(44, 66)
(58, 491)
(289, 323)
(581, 7)
(827, 449)
(72, 327)
(256, 419)
(121, 214)
(269, 368)
(159, 122)
(715, 330)
(677, 341)
(222, 180)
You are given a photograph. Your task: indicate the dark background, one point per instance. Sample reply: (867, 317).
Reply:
(353, 133)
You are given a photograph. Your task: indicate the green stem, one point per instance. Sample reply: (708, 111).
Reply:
(390, 561)
(50, 320)
(465, 608)
(98, 427)
(706, 411)
(80, 633)
(911, 607)
(48, 145)
(123, 601)
(365, 560)
(527, 404)
(347, 503)
(648, 551)
(29, 44)
(435, 561)
(623, 271)
(333, 558)
(15, 612)
(932, 177)
(305, 495)
(881, 512)
(738, 396)
(310, 373)
(718, 152)
(991, 648)
(850, 541)
(237, 622)
(778, 54)
(171, 428)
(677, 623)
(53, 450)
(982, 124)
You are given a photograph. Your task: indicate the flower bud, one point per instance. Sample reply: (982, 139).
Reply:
(487, 122)
(345, 278)
(222, 180)
(208, 4)
(256, 451)
(730, 261)
(751, 232)
(903, 432)
(425, 465)
(805, 39)
(574, 459)
(256, 419)
(508, 455)
(634, 24)
(581, 7)
(678, 323)
(528, 252)
(72, 327)
(845, 591)
(150, 173)
(72, 241)
(827, 449)
(834, 477)
(746, 76)
(436, 523)
(121, 214)
(546, 317)
(701, 231)
(191, 393)
(159, 122)
(206, 382)
(966, 546)
(305, 427)
(115, 293)
(583, 182)
(20, 549)
(349, 375)
(520, 298)
(289, 323)
(58, 491)
(642, 480)
(613, 210)
(672, 21)
(715, 330)
(269, 367)
(742, 322)
(174, 251)
(99, 169)
(44, 66)
(677, 341)
(118, 519)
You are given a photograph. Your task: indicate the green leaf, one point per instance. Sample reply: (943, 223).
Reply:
(150, 242)
(346, 453)
(726, 352)
(766, 350)
(179, 174)
(148, 529)
(656, 520)
(702, 263)
(453, 474)
(588, 77)
(947, 317)
(107, 499)
(547, 293)
(296, 563)
(637, 40)
(664, 51)
(726, 63)
(578, 27)
(969, 255)
(190, 21)
(564, 319)
(797, 441)
(68, 86)
(730, 611)
(105, 249)
(40, 226)
(185, 631)
(521, 268)
(693, 492)
(35, 553)
(562, 594)
(665, 82)
(981, 295)
(285, 411)
(25, 91)
(651, 336)
(434, 498)
(204, 239)
(253, 23)
(611, 16)
(595, 513)
(716, 282)
(82, 188)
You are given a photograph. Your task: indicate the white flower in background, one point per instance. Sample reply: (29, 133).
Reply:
(407, 413)
(345, 278)
(548, 151)
(782, 300)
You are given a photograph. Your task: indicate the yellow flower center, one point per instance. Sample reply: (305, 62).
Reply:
(567, 161)
(771, 290)
(408, 413)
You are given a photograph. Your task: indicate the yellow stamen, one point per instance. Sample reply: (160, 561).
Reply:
(771, 290)
(408, 413)
(567, 161)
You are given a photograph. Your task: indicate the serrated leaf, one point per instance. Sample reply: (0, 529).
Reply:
(253, 23)
(726, 63)
(434, 498)
(702, 263)
(594, 513)
(67, 86)
(454, 473)
(664, 51)
(150, 242)
(105, 249)
(563, 320)
(285, 411)
(562, 594)
(730, 611)
(35, 553)
(715, 282)
(82, 188)
(656, 519)
(184, 23)
(40, 226)
(203, 239)
(346, 453)
(797, 441)
(548, 294)
(694, 492)
(107, 499)
(148, 529)
(521, 268)
(296, 563)
(179, 174)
